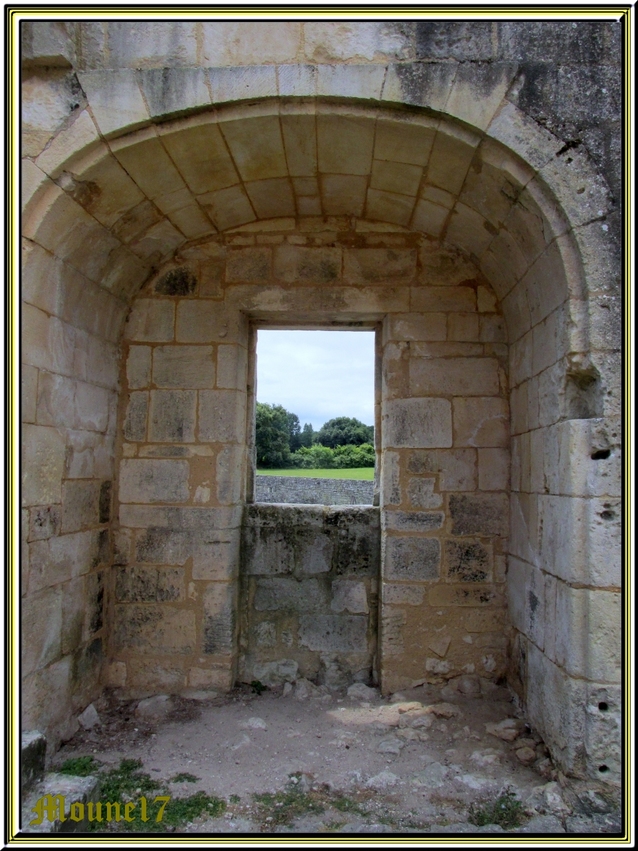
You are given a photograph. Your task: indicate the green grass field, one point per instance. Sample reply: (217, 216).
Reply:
(361, 473)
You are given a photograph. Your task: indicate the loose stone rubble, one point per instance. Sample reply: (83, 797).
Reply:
(414, 763)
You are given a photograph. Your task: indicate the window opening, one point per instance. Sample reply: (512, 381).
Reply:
(315, 417)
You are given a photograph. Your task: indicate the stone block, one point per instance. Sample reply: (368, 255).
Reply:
(484, 514)
(204, 321)
(596, 655)
(390, 479)
(429, 327)
(389, 207)
(531, 602)
(369, 265)
(56, 400)
(402, 594)
(463, 327)
(137, 584)
(478, 90)
(172, 90)
(580, 539)
(271, 198)
(412, 558)
(154, 629)
(164, 546)
(93, 406)
(334, 633)
(29, 393)
(232, 367)
(145, 480)
(45, 521)
(454, 377)
(456, 468)
(456, 595)
(80, 505)
(183, 366)
(42, 624)
(43, 459)
(115, 99)
(138, 367)
(256, 146)
(349, 596)
(136, 415)
(151, 320)
(299, 131)
(493, 469)
(221, 416)
(248, 265)
(216, 558)
(297, 264)
(421, 493)
(219, 619)
(178, 517)
(172, 416)
(343, 194)
(429, 218)
(412, 521)
(344, 144)
(418, 423)
(274, 594)
(64, 557)
(469, 560)
(481, 422)
(438, 299)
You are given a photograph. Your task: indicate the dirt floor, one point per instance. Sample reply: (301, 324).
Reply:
(304, 760)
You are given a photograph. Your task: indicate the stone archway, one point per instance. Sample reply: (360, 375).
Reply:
(475, 227)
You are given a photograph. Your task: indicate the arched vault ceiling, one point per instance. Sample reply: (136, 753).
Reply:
(120, 208)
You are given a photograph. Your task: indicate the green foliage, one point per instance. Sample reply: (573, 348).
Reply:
(272, 435)
(294, 432)
(182, 810)
(80, 766)
(341, 457)
(283, 807)
(344, 431)
(127, 783)
(184, 777)
(307, 437)
(506, 811)
(258, 687)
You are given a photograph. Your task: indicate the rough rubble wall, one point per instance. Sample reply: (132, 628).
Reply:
(311, 491)
(184, 435)
(309, 594)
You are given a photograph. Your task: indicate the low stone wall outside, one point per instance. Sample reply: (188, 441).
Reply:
(300, 490)
(309, 593)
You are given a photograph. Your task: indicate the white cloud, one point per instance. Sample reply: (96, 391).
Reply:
(317, 375)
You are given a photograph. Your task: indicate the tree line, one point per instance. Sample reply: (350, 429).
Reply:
(282, 443)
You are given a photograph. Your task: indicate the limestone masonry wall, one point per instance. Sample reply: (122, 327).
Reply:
(453, 184)
(309, 594)
(313, 491)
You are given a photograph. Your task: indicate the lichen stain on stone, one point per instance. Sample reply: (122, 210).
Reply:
(180, 281)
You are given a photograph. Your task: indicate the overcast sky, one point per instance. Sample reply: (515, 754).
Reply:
(317, 375)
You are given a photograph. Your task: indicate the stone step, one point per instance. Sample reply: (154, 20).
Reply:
(61, 789)
(33, 754)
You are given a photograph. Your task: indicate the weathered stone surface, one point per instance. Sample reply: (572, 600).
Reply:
(275, 594)
(153, 481)
(344, 633)
(183, 366)
(468, 561)
(172, 416)
(219, 619)
(419, 423)
(349, 596)
(480, 514)
(154, 629)
(412, 558)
